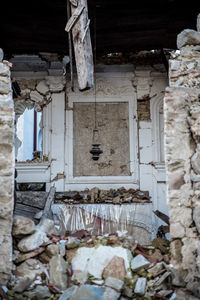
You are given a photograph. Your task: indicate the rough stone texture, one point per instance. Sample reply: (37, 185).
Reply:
(143, 110)
(93, 261)
(23, 226)
(58, 272)
(6, 172)
(39, 237)
(140, 286)
(139, 262)
(182, 137)
(188, 37)
(114, 283)
(115, 268)
(114, 143)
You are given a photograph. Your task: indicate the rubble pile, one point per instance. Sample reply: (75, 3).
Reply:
(96, 195)
(81, 266)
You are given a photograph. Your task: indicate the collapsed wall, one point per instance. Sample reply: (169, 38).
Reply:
(6, 172)
(182, 137)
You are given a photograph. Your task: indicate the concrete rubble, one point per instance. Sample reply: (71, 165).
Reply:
(83, 266)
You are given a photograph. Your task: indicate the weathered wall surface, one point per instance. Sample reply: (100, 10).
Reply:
(182, 137)
(113, 129)
(6, 172)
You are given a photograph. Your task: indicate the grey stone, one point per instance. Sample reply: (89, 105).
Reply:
(4, 70)
(139, 262)
(4, 88)
(114, 283)
(196, 216)
(42, 292)
(58, 272)
(22, 226)
(22, 284)
(35, 240)
(188, 37)
(30, 268)
(42, 87)
(110, 294)
(140, 286)
(175, 65)
(68, 293)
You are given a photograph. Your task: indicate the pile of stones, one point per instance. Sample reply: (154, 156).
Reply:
(81, 266)
(97, 195)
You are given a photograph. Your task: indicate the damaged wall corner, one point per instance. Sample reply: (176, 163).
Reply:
(182, 136)
(7, 166)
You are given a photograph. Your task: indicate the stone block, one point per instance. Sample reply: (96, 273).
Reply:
(115, 268)
(140, 286)
(176, 247)
(42, 87)
(177, 230)
(4, 70)
(58, 272)
(139, 262)
(188, 37)
(114, 283)
(23, 226)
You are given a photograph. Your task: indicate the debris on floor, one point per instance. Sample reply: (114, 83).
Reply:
(86, 267)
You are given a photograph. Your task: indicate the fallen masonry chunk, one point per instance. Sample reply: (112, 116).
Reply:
(58, 273)
(114, 283)
(140, 286)
(110, 294)
(22, 226)
(139, 262)
(115, 268)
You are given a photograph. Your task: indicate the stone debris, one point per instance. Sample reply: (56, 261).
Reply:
(139, 262)
(114, 283)
(88, 267)
(140, 286)
(188, 37)
(96, 195)
(22, 226)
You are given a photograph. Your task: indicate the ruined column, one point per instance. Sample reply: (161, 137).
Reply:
(182, 149)
(6, 172)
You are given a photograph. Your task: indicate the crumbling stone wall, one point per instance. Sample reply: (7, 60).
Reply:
(6, 172)
(182, 137)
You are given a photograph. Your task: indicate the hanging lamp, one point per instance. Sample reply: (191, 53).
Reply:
(95, 151)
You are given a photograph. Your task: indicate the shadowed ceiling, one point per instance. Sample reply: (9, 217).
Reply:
(128, 25)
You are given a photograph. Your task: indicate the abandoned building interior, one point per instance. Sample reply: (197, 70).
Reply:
(99, 150)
